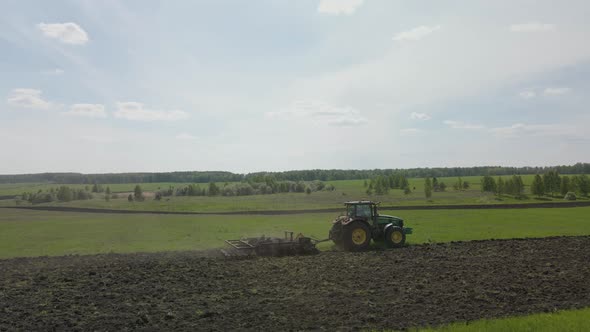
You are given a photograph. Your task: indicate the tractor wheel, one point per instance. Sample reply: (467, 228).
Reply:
(395, 237)
(336, 234)
(356, 236)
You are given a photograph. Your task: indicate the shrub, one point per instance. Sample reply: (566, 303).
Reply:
(570, 196)
(138, 193)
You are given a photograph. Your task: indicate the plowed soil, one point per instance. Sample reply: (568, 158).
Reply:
(394, 289)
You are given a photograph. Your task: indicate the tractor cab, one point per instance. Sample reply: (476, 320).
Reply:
(366, 210)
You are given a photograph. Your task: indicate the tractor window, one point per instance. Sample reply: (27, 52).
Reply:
(350, 211)
(363, 211)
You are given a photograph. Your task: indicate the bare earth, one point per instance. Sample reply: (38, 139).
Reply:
(395, 289)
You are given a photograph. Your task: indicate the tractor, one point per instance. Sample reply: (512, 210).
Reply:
(362, 222)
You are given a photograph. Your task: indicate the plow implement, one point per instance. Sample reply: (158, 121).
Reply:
(288, 245)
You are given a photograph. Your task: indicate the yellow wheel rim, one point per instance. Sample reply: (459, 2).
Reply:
(359, 236)
(396, 237)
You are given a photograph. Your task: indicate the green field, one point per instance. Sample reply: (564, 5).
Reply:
(38, 233)
(569, 320)
(345, 190)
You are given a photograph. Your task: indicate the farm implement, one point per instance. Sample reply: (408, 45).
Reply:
(352, 231)
(272, 246)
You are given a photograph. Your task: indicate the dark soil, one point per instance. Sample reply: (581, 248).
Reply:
(394, 289)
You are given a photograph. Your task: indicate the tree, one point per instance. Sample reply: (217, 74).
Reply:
(517, 186)
(488, 184)
(381, 185)
(465, 185)
(404, 182)
(435, 185)
(213, 189)
(442, 186)
(138, 193)
(64, 194)
(95, 188)
(552, 182)
(500, 188)
(581, 183)
(107, 194)
(538, 186)
(565, 185)
(407, 190)
(308, 190)
(460, 183)
(428, 188)
(130, 198)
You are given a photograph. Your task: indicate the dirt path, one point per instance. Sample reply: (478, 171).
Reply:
(414, 286)
(327, 210)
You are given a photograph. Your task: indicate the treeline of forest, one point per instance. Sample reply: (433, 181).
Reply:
(269, 186)
(550, 184)
(301, 175)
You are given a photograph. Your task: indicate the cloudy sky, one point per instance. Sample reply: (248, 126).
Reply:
(111, 86)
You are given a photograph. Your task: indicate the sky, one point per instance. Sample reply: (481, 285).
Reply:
(269, 85)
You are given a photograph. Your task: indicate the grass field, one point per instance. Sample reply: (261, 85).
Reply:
(569, 320)
(345, 190)
(38, 233)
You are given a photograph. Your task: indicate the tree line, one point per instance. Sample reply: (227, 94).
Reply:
(60, 194)
(433, 184)
(297, 175)
(381, 184)
(249, 188)
(548, 184)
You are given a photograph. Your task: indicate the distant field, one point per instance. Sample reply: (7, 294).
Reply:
(7, 189)
(36, 233)
(345, 190)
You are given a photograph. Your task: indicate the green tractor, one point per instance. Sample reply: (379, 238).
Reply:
(362, 222)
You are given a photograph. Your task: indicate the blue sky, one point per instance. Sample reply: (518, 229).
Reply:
(116, 86)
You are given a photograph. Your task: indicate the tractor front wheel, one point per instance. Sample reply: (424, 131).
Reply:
(395, 237)
(356, 236)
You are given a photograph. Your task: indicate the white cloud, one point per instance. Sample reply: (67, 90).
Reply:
(416, 33)
(337, 7)
(54, 71)
(98, 139)
(348, 121)
(68, 33)
(462, 125)
(136, 112)
(321, 112)
(532, 27)
(28, 98)
(420, 116)
(556, 91)
(87, 110)
(186, 137)
(527, 94)
(410, 132)
(520, 129)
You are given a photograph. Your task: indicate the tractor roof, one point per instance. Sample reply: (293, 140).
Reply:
(360, 202)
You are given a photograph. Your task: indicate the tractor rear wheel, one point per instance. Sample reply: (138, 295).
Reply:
(356, 236)
(336, 234)
(395, 237)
